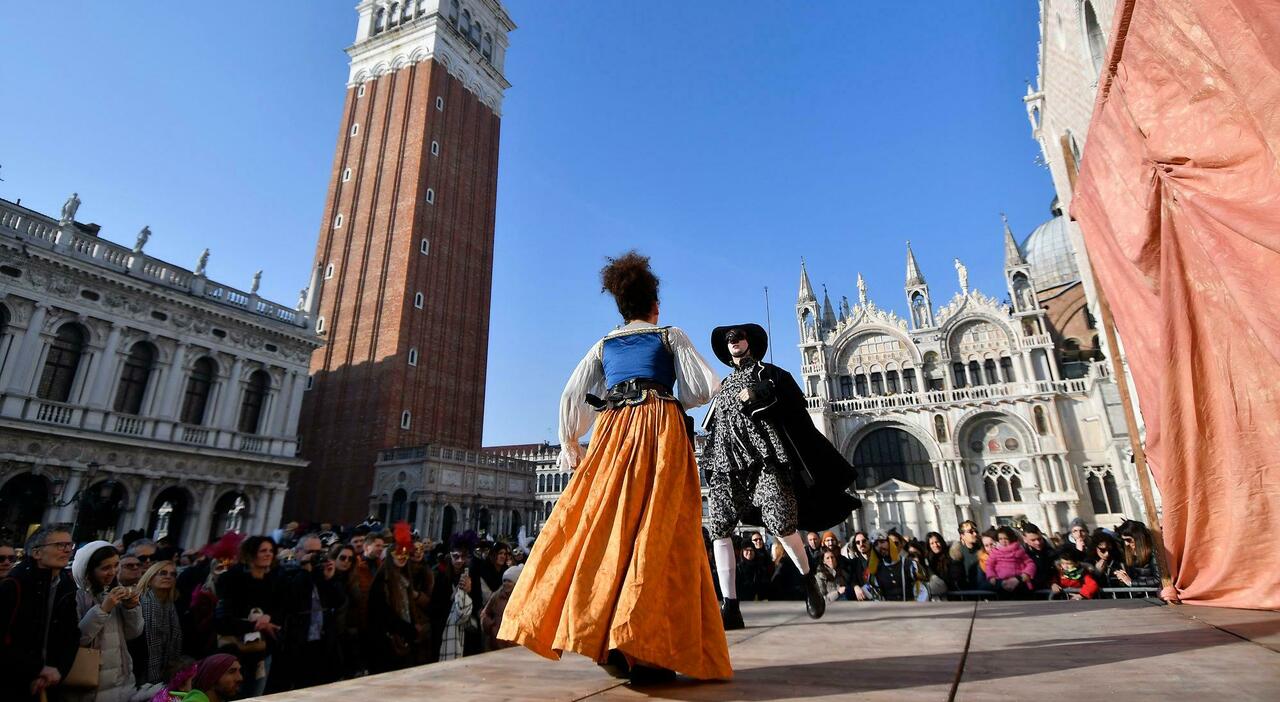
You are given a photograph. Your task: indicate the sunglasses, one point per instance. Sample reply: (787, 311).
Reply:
(8, 559)
(344, 559)
(735, 335)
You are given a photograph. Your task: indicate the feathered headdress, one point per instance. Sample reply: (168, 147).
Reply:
(404, 538)
(225, 548)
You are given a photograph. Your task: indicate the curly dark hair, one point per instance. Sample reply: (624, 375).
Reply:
(631, 282)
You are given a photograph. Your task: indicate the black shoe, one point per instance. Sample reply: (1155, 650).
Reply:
(814, 602)
(649, 675)
(616, 664)
(731, 615)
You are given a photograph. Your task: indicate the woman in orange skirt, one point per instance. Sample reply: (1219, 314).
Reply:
(619, 572)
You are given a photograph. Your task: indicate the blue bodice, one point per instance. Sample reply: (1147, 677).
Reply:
(636, 355)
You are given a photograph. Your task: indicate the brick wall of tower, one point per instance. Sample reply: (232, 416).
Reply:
(362, 377)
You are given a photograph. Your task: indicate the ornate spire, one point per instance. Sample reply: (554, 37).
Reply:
(913, 269)
(862, 290)
(1012, 254)
(806, 289)
(845, 310)
(828, 314)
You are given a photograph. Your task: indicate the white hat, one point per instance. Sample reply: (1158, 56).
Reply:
(81, 562)
(513, 573)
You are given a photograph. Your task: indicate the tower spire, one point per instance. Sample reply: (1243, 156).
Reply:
(828, 314)
(913, 269)
(806, 289)
(1012, 254)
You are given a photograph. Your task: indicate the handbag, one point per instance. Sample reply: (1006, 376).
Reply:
(84, 671)
(256, 646)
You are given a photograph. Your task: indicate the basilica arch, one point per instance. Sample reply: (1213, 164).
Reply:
(892, 449)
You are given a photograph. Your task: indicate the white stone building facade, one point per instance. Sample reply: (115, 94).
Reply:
(962, 412)
(441, 491)
(137, 394)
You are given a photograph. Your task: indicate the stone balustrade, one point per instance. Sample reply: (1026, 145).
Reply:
(35, 229)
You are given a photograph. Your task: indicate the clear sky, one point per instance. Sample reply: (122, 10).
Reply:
(725, 139)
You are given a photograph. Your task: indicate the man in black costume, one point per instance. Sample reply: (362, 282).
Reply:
(768, 464)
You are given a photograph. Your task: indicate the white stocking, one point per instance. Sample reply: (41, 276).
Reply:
(726, 567)
(794, 546)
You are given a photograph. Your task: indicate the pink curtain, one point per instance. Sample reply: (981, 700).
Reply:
(1179, 203)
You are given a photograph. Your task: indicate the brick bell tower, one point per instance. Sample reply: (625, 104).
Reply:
(404, 264)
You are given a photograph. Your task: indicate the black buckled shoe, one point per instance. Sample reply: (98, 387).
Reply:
(616, 664)
(731, 615)
(814, 603)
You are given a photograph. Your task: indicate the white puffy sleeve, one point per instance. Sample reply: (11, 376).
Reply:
(696, 383)
(575, 414)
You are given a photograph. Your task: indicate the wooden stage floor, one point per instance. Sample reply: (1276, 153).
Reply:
(1044, 651)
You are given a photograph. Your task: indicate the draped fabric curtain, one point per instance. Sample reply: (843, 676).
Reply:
(1179, 202)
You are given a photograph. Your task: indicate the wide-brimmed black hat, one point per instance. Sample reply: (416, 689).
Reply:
(757, 341)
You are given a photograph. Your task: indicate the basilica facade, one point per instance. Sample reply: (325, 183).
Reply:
(970, 409)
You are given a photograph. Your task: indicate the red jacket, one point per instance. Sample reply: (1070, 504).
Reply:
(1088, 586)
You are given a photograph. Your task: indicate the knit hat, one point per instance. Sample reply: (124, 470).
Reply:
(825, 534)
(513, 573)
(210, 669)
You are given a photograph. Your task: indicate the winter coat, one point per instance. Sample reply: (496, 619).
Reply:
(1009, 562)
(163, 636)
(108, 632)
(1144, 576)
(753, 579)
(1088, 586)
(24, 597)
(1045, 569)
(829, 582)
(970, 576)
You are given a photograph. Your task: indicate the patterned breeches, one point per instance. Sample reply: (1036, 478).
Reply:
(731, 494)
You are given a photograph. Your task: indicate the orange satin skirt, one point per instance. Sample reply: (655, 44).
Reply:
(621, 564)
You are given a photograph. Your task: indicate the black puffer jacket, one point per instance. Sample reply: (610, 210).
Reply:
(24, 598)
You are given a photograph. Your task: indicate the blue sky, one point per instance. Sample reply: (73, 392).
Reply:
(725, 139)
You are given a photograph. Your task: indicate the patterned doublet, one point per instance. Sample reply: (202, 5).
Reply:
(739, 442)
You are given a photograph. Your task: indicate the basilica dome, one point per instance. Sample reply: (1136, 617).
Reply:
(1048, 251)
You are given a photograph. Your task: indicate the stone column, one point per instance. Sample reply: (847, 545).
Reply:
(230, 398)
(1051, 512)
(142, 508)
(290, 428)
(67, 513)
(204, 516)
(275, 423)
(171, 399)
(275, 511)
(100, 383)
(21, 368)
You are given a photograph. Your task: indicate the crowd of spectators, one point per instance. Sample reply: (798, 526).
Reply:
(136, 620)
(998, 563)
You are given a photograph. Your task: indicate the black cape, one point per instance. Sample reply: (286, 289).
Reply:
(821, 475)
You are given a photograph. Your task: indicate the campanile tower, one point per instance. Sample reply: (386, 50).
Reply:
(404, 263)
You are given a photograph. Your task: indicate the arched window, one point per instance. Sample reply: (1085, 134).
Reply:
(846, 387)
(134, 377)
(464, 25)
(393, 16)
(546, 510)
(891, 453)
(196, 398)
(989, 368)
(940, 427)
(542, 483)
(1042, 424)
(474, 35)
(379, 20)
(975, 373)
(399, 502)
(1002, 484)
(891, 378)
(860, 383)
(231, 513)
(1006, 369)
(1096, 496)
(406, 14)
(486, 47)
(1096, 39)
(957, 374)
(453, 11)
(877, 384)
(255, 396)
(555, 483)
(1112, 492)
(62, 362)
